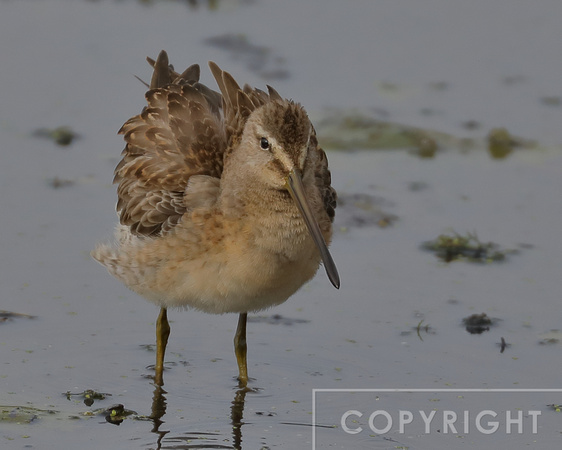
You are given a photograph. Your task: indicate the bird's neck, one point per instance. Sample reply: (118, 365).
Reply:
(254, 199)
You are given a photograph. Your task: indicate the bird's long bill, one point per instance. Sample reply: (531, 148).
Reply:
(296, 189)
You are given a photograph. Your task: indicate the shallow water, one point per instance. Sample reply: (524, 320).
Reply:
(429, 64)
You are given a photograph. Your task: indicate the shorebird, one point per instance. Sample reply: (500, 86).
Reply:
(225, 202)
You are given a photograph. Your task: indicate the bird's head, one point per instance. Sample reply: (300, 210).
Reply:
(276, 144)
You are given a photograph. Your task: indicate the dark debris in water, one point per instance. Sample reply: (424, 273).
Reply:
(62, 136)
(418, 186)
(363, 210)
(503, 345)
(439, 85)
(513, 79)
(57, 183)
(471, 125)
(551, 100)
(148, 347)
(276, 319)
(211, 5)
(468, 248)
(258, 59)
(89, 396)
(8, 316)
(478, 323)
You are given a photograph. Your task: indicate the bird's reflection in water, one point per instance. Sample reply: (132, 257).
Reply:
(237, 416)
(159, 404)
(158, 410)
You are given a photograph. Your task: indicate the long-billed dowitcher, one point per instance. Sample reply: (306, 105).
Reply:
(224, 201)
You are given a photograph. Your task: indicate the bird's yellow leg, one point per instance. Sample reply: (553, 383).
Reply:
(240, 348)
(162, 333)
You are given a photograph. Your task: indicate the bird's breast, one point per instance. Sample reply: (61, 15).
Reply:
(249, 268)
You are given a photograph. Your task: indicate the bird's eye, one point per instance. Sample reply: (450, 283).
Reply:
(264, 143)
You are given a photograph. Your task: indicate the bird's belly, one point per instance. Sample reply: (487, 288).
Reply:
(240, 280)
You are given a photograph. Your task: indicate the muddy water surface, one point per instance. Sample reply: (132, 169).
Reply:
(440, 76)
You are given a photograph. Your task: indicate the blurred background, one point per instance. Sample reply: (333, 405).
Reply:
(442, 123)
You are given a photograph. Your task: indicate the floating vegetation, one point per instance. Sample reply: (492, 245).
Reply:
(276, 319)
(8, 316)
(478, 323)
(427, 329)
(117, 413)
(469, 248)
(425, 146)
(357, 129)
(22, 414)
(62, 136)
(89, 396)
(552, 337)
(501, 143)
(258, 59)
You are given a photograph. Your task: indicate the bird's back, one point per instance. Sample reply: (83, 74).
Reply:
(178, 135)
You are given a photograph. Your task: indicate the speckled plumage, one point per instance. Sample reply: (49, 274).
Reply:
(208, 216)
